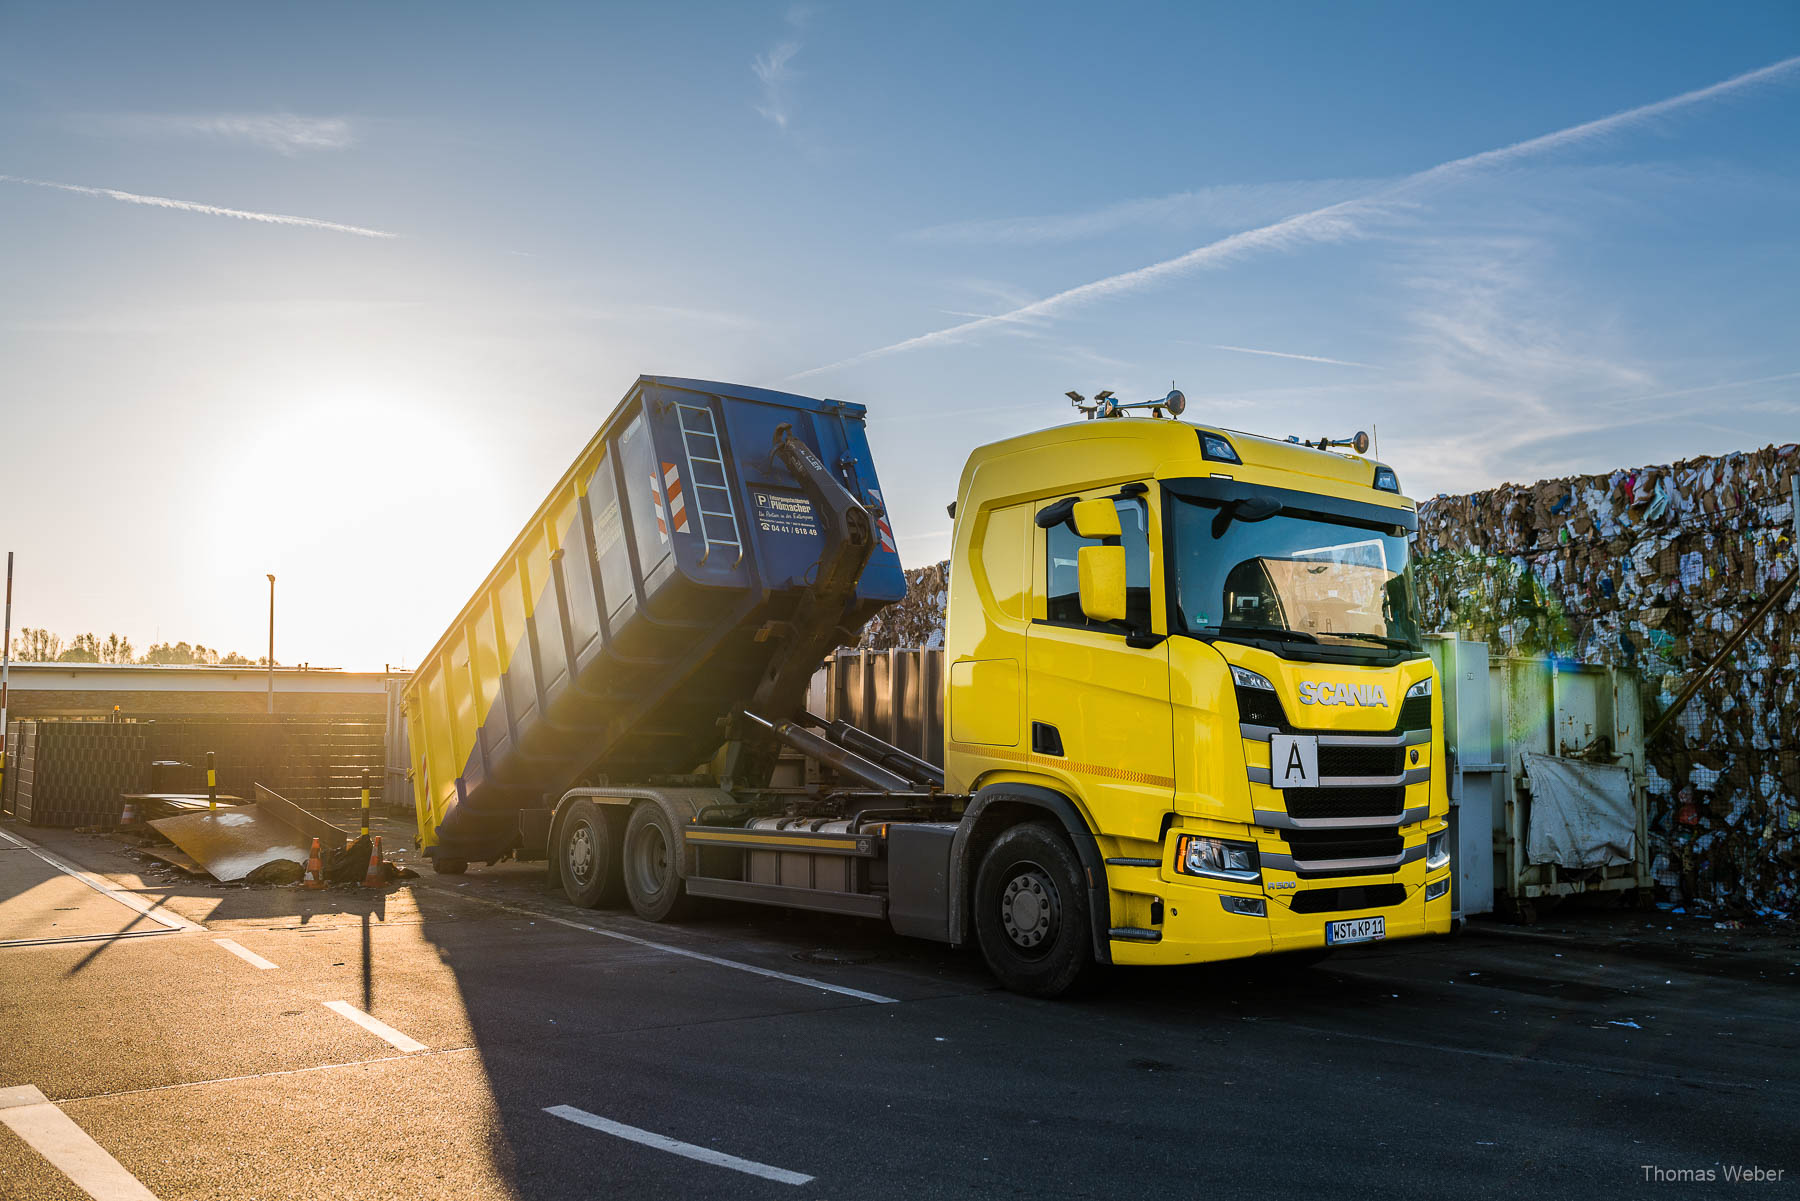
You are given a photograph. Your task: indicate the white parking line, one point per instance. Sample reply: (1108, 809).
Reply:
(246, 954)
(54, 1135)
(664, 947)
(661, 1142)
(375, 1026)
(154, 912)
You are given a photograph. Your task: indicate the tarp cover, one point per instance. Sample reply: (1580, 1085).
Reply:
(1582, 814)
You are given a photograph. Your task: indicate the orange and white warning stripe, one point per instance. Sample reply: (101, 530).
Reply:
(669, 484)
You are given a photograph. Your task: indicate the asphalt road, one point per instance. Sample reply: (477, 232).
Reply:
(536, 1050)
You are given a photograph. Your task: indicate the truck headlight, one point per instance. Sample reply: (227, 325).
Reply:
(1246, 678)
(1422, 688)
(1437, 850)
(1216, 857)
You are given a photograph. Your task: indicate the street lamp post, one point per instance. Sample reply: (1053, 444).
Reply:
(271, 642)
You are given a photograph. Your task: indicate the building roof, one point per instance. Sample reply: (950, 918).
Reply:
(192, 677)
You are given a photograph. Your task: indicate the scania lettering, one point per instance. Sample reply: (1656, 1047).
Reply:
(1187, 713)
(1314, 693)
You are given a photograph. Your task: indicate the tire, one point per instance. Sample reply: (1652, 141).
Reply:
(448, 867)
(587, 855)
(652, 877)
(1031, 913)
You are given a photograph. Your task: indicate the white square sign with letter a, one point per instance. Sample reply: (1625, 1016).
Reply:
(1294, 760)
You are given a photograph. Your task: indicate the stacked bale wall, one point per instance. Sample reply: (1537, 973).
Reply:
(1654, 569)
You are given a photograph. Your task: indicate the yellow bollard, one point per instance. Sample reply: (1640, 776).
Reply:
(365, 803)
(212, 783)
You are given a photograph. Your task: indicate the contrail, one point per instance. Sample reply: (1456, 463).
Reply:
(211, 210)
(1332, 223)
(1304, 358)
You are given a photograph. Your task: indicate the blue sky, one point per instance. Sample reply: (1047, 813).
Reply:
(1519, 241)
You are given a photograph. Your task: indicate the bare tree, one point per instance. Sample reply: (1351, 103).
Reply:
(116, 649)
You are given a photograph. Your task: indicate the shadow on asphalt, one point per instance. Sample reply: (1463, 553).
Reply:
(1205, 1004)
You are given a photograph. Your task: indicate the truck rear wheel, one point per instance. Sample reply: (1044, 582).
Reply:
(1031, 913)
(587, 855)
(652, 878)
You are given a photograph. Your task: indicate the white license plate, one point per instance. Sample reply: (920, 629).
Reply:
(1294, 760)
(1356, 929)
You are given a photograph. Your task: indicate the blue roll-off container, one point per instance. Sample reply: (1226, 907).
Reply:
(621, 627)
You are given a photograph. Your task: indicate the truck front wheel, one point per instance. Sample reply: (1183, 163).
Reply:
(652, 879)
(1031, 913)
(587, 855)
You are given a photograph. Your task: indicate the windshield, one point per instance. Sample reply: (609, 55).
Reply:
(1290, 577)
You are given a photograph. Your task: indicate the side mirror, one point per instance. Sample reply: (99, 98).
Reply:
(1100, 571)
(1095, 519)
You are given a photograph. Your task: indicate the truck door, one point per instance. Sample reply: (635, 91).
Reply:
(1098, 705)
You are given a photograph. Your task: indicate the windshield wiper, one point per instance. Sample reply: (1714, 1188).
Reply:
(1397, 643)
(1269, 631)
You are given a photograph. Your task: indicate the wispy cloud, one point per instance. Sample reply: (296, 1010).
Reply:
(1283, 354)
(1334, 222)
(210, 210)
(664, 314)
(1222, 205)
(284, 133)
(775, 75)
(1720, 387)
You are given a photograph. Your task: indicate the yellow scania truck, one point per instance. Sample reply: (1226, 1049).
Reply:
(1188, 713)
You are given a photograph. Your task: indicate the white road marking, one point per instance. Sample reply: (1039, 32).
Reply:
(246, 954)
(661, 1142)
(771, 973)
(154, 912)
(375, 1026)
(54, 1135)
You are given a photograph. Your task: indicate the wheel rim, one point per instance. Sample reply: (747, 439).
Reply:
(650, 860)
(1031, 910)
(581, 853)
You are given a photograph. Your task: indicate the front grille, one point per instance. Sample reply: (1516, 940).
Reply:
(1344, 802)
(1361, 760)
(1415, 713)
(1342, 900)
(1351, 843)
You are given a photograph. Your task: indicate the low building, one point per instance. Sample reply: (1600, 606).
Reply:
(141, 690)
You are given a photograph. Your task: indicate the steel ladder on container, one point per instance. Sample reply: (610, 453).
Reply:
(696, 435)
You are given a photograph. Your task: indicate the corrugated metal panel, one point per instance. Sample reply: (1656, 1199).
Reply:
(896, 695)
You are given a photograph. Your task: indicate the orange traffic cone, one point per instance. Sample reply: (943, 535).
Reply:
(315, 871)
(128, 815)
(374, 878)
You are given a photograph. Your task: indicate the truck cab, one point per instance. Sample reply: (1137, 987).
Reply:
(1200, 648)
